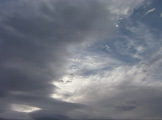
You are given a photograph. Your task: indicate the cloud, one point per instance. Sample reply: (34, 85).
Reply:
(34, 42)
(118, 88)
(161, 15)
(48, 69)
(124, 8)
(122, 93)
(149, 11)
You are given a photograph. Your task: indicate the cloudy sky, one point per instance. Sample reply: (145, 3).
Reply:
(80, 59)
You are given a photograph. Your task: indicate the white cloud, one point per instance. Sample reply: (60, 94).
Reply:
(161, 14)
(150, 11)
(84, 71)
(104, 83)
(123, 8)
(110, 87)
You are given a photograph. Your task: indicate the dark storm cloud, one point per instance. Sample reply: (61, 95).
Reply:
(34, 39)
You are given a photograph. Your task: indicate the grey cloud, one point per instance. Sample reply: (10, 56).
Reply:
(133, 102)
(127, 105)
(148, 101)
(34, 39)
(53, 109)
(52, 117)
(2, 119)
(136, 95)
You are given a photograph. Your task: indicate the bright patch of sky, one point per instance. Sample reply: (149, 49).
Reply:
(23, 108)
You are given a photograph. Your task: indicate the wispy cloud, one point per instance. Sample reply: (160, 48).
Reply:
(150, 11)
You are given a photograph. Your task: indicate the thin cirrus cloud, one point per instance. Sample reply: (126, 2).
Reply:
(67, 59)
(150, 11)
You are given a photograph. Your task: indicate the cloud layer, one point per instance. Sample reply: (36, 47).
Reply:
(35, 37)
(68, 59)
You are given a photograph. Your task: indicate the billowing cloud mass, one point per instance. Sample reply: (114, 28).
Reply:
(80, 59)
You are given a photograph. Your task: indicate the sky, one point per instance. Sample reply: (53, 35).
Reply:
(80, 59)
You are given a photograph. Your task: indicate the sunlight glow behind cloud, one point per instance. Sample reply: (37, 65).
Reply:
(23, 108)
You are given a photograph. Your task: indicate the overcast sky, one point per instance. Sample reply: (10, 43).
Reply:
(80, 59)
